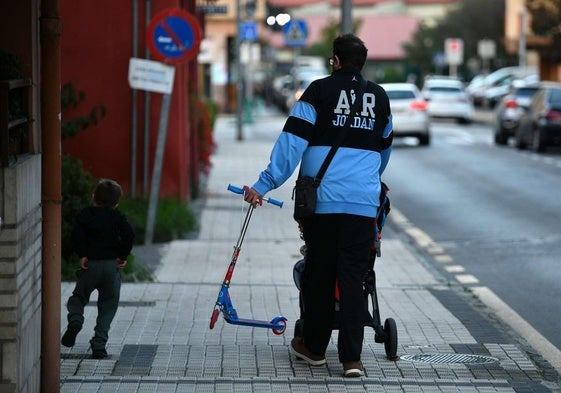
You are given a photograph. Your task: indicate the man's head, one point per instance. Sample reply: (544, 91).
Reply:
(107, 193)
(349, 51)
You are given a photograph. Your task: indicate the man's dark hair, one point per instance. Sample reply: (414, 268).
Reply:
(107, 193)
(350, 50)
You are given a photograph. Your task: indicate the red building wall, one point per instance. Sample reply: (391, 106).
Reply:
(96, 46)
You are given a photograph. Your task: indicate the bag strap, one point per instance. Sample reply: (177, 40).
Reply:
(342, 134)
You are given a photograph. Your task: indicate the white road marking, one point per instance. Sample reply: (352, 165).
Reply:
(516, 322)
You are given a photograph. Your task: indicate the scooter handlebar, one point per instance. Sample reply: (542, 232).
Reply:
(238, 190)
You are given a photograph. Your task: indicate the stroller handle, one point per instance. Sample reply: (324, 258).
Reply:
(239, 190)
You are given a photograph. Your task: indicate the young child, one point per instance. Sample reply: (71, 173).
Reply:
(103, 239)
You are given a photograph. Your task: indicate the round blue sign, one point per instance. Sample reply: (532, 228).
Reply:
(174, 36)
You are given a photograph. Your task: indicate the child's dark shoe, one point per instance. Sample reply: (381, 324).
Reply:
(69, 337)
(99, 354)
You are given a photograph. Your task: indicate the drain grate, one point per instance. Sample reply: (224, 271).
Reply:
(450, 358)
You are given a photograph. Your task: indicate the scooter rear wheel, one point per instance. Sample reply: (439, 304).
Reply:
(214, 317)
(276, 321)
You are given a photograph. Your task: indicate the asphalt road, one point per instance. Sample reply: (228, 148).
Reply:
(495, 211)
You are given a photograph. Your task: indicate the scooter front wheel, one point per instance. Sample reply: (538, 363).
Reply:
(276, 321)
(214, 317)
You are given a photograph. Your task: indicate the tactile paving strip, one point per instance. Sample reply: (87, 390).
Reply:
(135, 360)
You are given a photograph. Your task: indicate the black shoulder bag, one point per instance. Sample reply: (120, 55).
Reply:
(305, 190)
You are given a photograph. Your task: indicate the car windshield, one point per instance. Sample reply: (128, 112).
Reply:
(526, 91)
(444, 89)
(400, 94)
(555, 97)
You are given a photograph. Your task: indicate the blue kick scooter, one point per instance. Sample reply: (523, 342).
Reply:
(223, 302)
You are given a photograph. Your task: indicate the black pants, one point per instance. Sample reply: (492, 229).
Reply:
(338, 248)
(104, 276)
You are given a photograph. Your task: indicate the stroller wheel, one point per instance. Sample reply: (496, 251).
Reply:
(214, 317)
(390, 343)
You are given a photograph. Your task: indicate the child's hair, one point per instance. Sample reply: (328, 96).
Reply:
(107, 193)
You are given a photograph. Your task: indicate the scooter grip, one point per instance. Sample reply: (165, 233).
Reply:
(239, 190)
(235, 189)
(273, 201)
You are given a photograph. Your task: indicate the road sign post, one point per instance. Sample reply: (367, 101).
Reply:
(454, 50)
(173, 37)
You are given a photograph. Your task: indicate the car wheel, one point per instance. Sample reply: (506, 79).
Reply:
(538, 144)
(519, 141)
(500, 137)
(424, 139)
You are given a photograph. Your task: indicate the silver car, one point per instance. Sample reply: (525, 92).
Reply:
(409, 111)
(509, 110)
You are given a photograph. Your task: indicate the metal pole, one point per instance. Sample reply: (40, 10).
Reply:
(239, 79)
(346, 16)
(157, 170)
(146, 118)
(134, 123)
(522, 41)
(51, 198)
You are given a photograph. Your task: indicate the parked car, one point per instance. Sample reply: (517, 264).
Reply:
(496, 93)
(409, 111)
(475, 83)
(302, 84)
(497, 84)
(447, 98)
(509, 111)
(281, 87)
(540, 125)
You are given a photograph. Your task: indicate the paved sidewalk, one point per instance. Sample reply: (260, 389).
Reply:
(160, 340)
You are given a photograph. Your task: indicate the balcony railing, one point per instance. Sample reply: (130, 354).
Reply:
(15, 119)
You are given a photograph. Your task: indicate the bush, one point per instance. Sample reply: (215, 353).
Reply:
(77, 188)
(174, 219)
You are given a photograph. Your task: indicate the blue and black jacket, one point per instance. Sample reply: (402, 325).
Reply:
(351, 183)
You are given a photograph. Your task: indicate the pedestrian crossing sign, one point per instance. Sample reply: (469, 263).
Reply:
(295, 33)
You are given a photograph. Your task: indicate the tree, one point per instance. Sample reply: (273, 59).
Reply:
(546, 22)
(471, 21)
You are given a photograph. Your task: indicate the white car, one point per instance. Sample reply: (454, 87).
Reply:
(447, 98)
(409, 111)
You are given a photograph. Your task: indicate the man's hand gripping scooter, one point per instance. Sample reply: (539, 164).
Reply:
(223, 302)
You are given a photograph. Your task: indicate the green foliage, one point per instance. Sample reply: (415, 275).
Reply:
(77, 188)
(464, 22)
(174, 219)
(70, 98)
(546, 22)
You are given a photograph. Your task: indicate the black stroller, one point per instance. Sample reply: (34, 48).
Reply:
(386, 334)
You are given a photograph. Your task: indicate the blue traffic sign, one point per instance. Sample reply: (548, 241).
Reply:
(295, 33)
(248, 31)
(174, 36)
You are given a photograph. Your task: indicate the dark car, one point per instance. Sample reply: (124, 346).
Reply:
(509, 111)
(540, 125)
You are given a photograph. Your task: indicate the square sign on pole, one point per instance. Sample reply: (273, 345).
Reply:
(248, 31)
(150, 75)
(454, 50)
(295, 33)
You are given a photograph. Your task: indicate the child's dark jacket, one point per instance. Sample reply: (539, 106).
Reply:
(102, 233)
